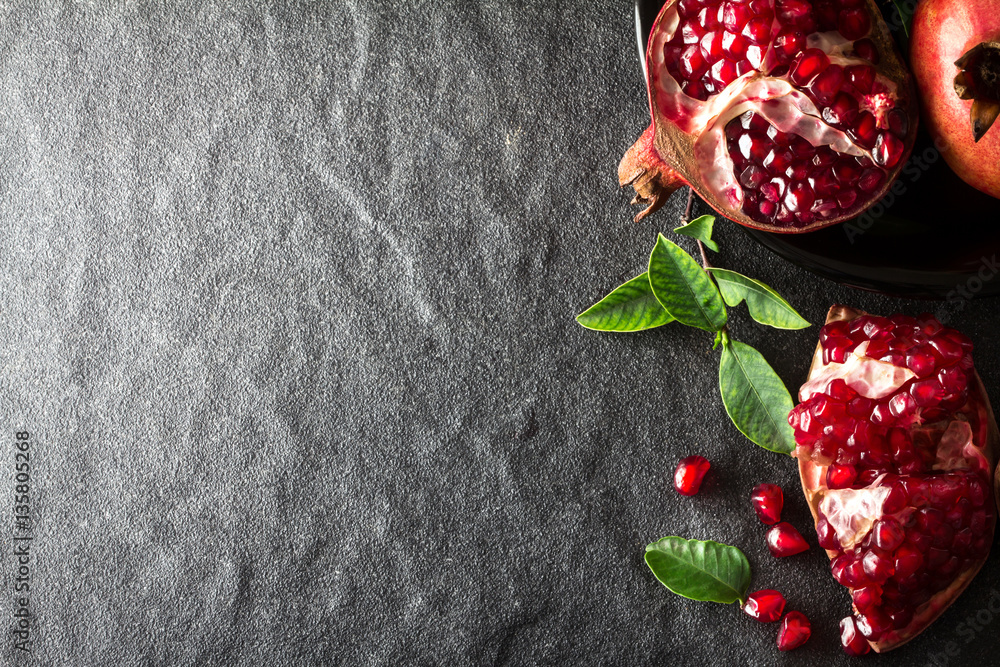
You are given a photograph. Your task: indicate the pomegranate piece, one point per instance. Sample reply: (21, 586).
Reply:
(767, 500)
(689, 474)
(896, 439)
(765, 605)
(794, 632)
(784, 115)
(783, 540)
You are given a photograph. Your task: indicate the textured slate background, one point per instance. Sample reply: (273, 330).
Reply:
(287, 301)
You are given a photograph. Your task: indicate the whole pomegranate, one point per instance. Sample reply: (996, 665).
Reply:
(895, 440)
(955, 54)
(784, 115)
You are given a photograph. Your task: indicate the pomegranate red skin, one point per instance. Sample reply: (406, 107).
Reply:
(944, 30)
(813, 479)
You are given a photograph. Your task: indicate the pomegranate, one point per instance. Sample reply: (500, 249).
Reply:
(794, 632)
(767, 501)
(689, 474)
(765, 605)
(955, 54)
(895, 438)
(784, 115)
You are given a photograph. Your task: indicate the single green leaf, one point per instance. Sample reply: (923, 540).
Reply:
(683, 288)
(701, 229)
(630, 307)
(905, 16)
(697, 570)
(755, 397)
(765, 305)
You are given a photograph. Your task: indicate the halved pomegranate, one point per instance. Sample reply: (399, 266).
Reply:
(895, 440)
(784, 115)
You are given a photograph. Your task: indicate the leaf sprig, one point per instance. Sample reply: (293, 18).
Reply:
(676, 288)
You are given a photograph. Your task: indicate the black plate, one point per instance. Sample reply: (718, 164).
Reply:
(939, 239)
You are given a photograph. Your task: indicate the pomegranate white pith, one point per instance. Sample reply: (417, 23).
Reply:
(895, 440)
(784, 115)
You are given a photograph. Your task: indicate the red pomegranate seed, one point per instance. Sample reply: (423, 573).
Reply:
(711, 45)
(690, 473)
(787, 44)
(851, 639)
(841, 476)
(877, 569)
(800, 196)
(692, 63)
(765, 605)
(758, 31)
(865, 48)
(827, 84)
(873, 623)
(842, 111)
(888, 150)
(827, 535)
(811, 63)
(854, 23)
(865, 130)
(927, 393)
(909, 560)
(862, 77)
(767, 501)
(734, 16)
(921, 361)
(866, 597)
(734, 46)
(783, 540)
(871, 179)
(794, 632)
(888, 534)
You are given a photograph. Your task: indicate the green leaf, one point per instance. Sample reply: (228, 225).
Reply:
(755, 397)
(905, 15)
(701, 229)
(765, 305)
(683, 288)
(697, 570)
(631, 307)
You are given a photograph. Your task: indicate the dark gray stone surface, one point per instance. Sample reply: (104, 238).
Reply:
(288, 300)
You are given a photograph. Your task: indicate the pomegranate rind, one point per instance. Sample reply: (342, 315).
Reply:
(665, 156)
(942, 32)
(813, 479)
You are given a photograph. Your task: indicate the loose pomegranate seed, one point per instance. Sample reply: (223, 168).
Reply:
(765, 605)
(794, 632)
(851, 639)
(784, 540)
(690, 473)
(767, 500)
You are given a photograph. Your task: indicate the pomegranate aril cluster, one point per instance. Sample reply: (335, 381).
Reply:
(859, 434)
(717, 42)
(788, 181)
